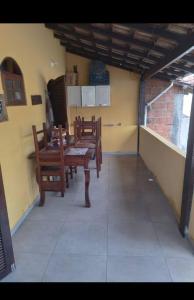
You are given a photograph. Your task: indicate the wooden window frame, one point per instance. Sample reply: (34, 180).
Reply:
(11, 76)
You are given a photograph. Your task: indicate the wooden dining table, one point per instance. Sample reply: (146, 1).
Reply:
(74, 157)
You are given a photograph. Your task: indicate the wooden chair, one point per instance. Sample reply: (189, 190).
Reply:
(92, 141)
(52, 133)
(55, 134)
(87, 128)
(49, 165)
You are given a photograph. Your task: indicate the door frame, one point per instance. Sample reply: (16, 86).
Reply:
(5, 232)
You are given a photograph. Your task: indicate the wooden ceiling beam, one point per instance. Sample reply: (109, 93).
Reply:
(108, 61)
(124, 49)
(108, 33)
(147, 46)
(173, 72)
(62, 32)
(162, 51)
(162, 77)
(68, 40)
(101, 57)
(188, 58)
(179, 52)
(183, 68)
(159, 33)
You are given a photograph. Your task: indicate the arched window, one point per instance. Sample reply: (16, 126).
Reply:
(13, 83)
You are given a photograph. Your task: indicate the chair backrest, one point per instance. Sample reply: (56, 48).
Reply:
(51, 157)
(88, 127)
(98, 130)
(39, 142)
(80, 126)
(77, 118)
(77, 130)
(100, 126)
(47, 135)
(55, 133)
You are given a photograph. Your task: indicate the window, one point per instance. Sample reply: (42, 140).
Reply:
(169, 113)
(13, 83)
(187, 100)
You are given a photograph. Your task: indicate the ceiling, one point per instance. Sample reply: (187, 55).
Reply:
(159, 50)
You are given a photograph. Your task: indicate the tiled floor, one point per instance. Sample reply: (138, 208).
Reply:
(129, 234)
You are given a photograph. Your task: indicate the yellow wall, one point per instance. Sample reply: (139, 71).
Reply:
(32, 46)
(166, 162)
(124, 98)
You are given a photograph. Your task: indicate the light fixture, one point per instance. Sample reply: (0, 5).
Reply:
(53, 63)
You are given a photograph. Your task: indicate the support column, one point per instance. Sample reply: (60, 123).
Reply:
(141, 110)
(188, 183)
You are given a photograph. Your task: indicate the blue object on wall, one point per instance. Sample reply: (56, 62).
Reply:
(98, 74)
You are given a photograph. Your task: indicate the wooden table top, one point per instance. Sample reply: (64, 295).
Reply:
(70, 151)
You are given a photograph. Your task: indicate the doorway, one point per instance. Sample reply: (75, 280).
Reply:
(57, 95)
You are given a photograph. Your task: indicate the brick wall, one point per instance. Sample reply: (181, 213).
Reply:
(160, 114)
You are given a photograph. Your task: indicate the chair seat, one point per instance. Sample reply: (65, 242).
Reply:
(88, 137)
(50, 171)
(85, 144)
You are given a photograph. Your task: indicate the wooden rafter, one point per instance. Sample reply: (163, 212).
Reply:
(172, 57)
(157, 32)
(81, 44)
(108, 61)
(182, 67)
(108, 33)
(124, 48)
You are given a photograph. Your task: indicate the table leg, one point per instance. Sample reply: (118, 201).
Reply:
(71, 172)
(87, 182)
(42, 198)
(66, 179)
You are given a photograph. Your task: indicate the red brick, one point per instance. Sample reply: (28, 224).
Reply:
(160, 117)
(170, 106)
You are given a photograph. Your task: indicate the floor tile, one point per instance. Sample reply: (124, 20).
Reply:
(30, 267)
(181, 269)
(172, 243)
(132, 238)
(134, 211)
(76, 268)
(37, 236)
(160, 211)
(129, 220)
(82, 238)
(137, 269)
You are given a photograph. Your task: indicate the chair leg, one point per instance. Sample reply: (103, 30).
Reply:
(42, 198)
(62, 178)
(75, 170)
(97, 163)
(67, 179)
(99, 159)
(100, 153)
(71, 172)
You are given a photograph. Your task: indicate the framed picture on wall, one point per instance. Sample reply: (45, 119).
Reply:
(3, 109)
